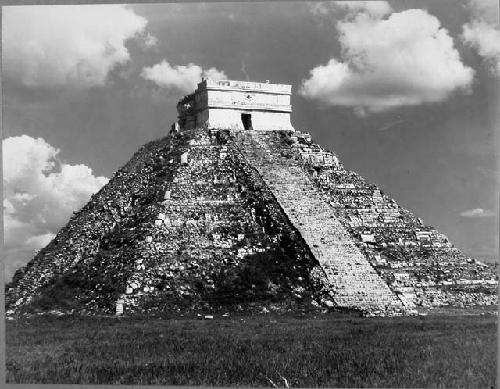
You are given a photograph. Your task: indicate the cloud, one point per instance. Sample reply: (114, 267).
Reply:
(404, 59)
(150, 40)
(183, 78)
(391, 124)
(40, 194)
(374, 8)
(329, 11)
(53, 46)
(486, 10)
(477, 213)
(483, 34)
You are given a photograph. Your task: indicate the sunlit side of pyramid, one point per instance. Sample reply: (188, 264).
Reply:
(234, 209)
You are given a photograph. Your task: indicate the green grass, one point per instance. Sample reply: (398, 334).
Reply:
(325, 350)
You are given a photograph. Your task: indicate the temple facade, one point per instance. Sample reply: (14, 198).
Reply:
(236, 105)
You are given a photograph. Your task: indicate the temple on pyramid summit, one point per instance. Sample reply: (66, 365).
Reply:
(237, 105)
(235, 210)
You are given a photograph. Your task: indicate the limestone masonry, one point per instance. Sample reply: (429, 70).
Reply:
(235, 210)
(237, 105)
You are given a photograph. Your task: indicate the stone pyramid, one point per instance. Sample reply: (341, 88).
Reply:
(227, 214)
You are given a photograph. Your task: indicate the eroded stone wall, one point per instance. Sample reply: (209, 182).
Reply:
(91, 229)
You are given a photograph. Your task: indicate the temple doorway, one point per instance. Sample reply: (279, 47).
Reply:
(246, 119)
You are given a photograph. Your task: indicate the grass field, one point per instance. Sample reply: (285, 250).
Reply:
(331, 350)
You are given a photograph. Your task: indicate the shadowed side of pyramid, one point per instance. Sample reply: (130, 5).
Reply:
(96, 236)
(186, 224)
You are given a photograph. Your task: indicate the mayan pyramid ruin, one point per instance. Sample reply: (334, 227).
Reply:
(236, 210)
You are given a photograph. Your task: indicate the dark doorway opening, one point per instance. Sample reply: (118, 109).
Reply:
(246, 118)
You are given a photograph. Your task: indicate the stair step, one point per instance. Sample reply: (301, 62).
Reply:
(350, 276)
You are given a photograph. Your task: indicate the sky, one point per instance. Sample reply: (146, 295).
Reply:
(405, 93)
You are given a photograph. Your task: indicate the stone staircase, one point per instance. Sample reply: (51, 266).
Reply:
(352, 281)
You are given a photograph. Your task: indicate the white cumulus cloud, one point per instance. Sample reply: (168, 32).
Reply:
(483, 32)
(62, 45)
(406, 58)
(477, 213)
(40, 194)
(183, 78)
